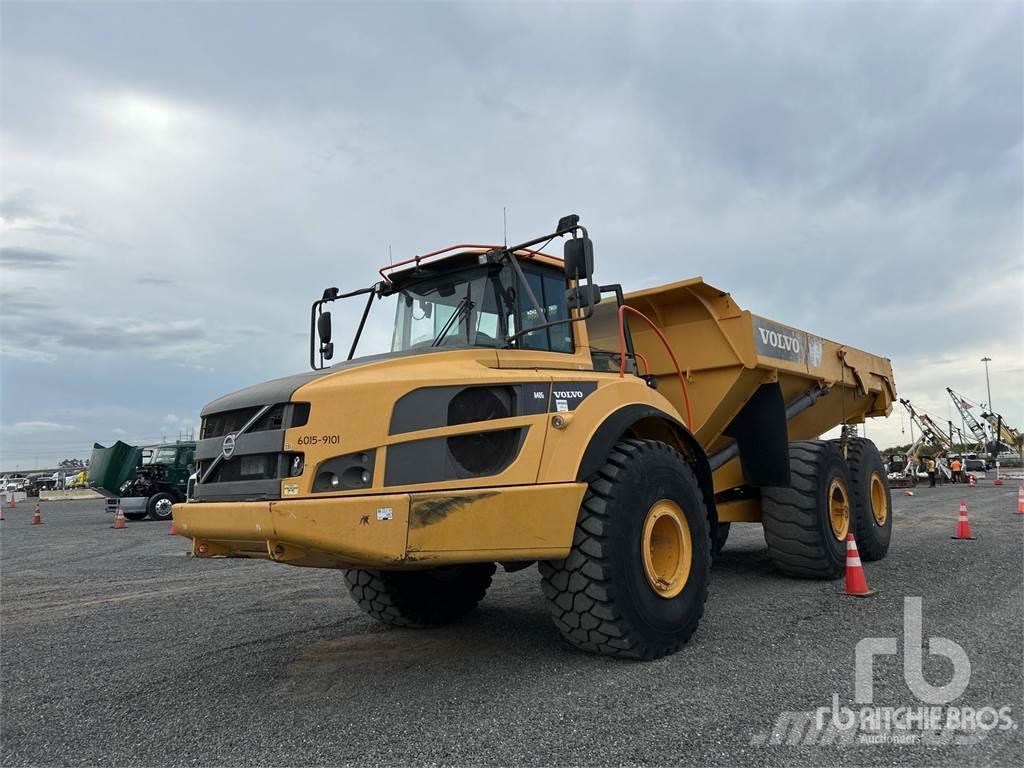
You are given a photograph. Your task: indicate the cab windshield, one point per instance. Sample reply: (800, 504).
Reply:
(164, 455)
(479, 306)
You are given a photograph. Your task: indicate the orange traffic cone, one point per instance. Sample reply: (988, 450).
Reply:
(963, 526)
(174, 530)
(856, 581)
(119, 521)
(11, 503)
(972, 480)
(1020, 501)
(908, 492)
(37, 516)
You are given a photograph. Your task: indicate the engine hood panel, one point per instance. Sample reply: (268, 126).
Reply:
(281, 390)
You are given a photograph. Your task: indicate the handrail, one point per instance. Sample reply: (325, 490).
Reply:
(418, 259)
(668, 347)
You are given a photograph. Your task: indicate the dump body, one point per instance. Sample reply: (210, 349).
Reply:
(727, 354)
(408, 492)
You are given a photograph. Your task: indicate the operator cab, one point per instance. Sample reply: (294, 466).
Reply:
(507, 298)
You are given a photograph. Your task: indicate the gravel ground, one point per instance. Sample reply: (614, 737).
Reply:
(118, 648)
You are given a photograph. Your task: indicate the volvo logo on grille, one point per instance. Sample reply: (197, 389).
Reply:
(228, 448)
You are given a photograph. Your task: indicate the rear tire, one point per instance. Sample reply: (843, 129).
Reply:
(427, 598)
(804, 524)
(136, 515)
(636, 579)
(871, 497)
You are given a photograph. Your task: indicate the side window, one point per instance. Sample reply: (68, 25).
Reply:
(554, 304)
(536, 339)
(549, 288)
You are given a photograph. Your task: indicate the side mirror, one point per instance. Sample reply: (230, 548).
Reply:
(323, 327)
(583, 296)
(579, 259)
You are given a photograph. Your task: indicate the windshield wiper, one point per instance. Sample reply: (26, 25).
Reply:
(463, 307)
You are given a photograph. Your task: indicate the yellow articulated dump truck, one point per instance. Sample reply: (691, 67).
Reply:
(527, 414)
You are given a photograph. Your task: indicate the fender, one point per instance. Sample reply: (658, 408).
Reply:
(646, 421)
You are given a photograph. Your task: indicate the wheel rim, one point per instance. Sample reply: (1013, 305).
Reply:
(879, 499)
(667, 549)
(163, 507)
(838, 509)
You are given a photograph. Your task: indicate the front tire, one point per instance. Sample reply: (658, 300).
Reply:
(425, 598)
(159, 506)
(636, 579)
(806, 524)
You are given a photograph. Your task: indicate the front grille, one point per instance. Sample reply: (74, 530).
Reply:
(220, 424)
(256, 466)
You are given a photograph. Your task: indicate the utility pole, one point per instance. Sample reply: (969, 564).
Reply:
(986, 360)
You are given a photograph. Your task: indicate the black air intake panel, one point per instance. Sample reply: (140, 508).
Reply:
(482, 453)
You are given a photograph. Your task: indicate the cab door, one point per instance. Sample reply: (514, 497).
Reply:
(559, 347)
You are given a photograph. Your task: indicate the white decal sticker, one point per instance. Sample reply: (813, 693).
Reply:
(561, 406)
(813, 351)
(385, 513)
(291, 490)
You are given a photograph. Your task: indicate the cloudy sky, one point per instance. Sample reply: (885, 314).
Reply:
(179, 181)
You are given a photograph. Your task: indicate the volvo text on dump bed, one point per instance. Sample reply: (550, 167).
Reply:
(526, 414)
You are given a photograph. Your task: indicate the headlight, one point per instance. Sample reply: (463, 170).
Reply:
(253, 466)
(345, 473)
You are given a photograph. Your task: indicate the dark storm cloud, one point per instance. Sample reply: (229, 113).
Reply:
(854, 169)
(31, 258)
(16, 304)
(93, 335)
(104, 337)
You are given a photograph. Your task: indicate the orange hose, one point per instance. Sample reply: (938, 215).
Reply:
(622, 355)
(647, 366)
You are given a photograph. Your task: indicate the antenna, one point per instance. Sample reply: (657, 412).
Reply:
(504, 225)
(391, 259)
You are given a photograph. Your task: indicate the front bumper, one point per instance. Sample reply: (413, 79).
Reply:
(390, 531)
(129, 504)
